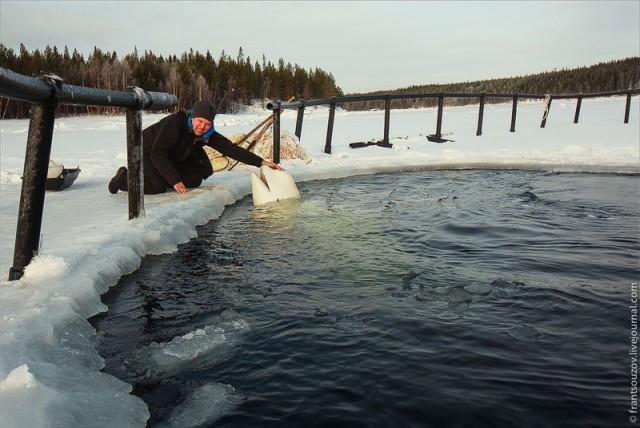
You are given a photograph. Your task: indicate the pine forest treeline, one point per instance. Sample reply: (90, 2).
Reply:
(604, 77)
(230, 83)
(234, 82)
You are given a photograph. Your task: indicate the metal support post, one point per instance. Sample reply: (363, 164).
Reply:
(34, 180)
(387, 117)
(332, 114)
(480, 115)
(299, 119)
(514, 111)
(547, 107)
(578, 105)
(627, 107)
(439, 123)
(276, 135)
(135, 172)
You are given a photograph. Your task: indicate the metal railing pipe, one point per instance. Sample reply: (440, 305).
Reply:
(382, 97)
(332, 102)
(24, 88)
(34, 90)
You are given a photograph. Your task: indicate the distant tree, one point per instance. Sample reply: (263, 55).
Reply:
(232, 83)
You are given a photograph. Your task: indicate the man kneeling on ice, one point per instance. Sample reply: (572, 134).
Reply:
(174, 155)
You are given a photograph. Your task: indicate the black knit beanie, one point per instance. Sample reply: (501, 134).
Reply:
(204, 110)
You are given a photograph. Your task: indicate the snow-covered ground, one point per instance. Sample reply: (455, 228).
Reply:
(49, 368)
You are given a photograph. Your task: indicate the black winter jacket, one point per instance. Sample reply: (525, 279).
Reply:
(170, 141)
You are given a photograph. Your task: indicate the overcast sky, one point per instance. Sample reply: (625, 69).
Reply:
(366, 45)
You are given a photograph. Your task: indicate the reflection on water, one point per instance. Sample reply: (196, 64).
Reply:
(441, 298)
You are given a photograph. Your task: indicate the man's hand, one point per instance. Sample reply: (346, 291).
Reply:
(272, 165)
(180, 187)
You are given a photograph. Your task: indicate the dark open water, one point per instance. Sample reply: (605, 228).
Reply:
(422, 299)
